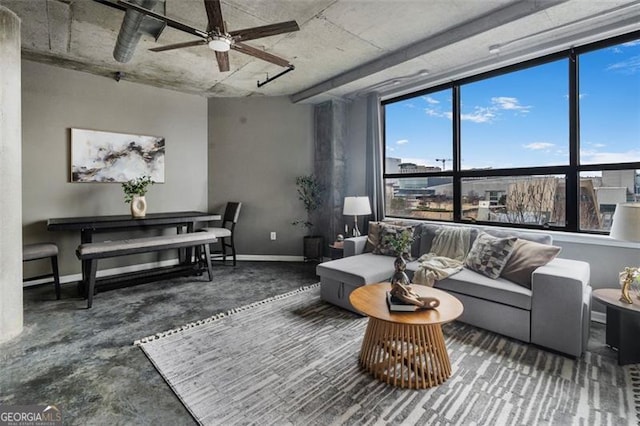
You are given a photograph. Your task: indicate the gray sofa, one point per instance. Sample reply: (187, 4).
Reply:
(554, 313)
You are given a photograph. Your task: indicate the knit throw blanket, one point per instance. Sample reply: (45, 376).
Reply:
(448, 250)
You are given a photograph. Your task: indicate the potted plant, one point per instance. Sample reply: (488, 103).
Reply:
(310, 192)
(134, 192)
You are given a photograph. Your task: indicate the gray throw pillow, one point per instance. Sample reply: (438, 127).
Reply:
(527, 256)
(489, 255)
(373, 237)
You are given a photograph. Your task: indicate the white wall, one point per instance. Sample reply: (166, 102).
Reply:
(257, 147)
(55, 100)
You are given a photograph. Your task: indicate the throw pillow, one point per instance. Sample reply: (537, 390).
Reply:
(386, 231)
(526, 257)
(373, 237)
(489, 255)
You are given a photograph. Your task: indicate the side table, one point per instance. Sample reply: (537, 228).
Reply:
(623, 325)
(337, 252)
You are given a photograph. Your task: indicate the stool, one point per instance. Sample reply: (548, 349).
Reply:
(42, 251)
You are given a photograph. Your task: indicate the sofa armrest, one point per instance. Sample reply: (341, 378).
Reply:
(558, 305)
(354, 245)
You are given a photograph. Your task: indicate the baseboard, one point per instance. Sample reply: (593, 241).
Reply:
(269, 258)
(152, 265)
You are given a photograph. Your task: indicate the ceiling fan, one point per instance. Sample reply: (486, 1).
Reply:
(218, 38)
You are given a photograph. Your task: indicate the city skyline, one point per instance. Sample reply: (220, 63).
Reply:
(521, 119)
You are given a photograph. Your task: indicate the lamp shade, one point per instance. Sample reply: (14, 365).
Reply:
(626, 222)
(356, 206)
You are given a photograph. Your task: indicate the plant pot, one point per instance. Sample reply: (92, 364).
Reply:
(313, 248)
(138, 206)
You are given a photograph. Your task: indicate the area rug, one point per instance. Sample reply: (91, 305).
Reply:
(293, 360)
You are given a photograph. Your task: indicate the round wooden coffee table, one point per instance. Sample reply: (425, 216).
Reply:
(405, 349)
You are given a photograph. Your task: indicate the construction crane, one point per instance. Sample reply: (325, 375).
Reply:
(443, 161)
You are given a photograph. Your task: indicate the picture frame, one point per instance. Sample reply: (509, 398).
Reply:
(102, 156)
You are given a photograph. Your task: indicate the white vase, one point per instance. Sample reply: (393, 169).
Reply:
(138, 206)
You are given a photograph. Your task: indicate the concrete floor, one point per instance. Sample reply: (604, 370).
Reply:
(83, 360)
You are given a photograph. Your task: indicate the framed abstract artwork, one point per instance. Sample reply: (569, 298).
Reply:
(98, 156)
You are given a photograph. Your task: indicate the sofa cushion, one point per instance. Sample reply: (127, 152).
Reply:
(527, 256)
(497, 290)
(489, 254)
(367, 268)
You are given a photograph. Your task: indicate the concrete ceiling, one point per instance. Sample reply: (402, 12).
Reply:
(345, 48)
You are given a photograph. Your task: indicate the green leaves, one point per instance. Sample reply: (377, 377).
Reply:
(400, 241)
(137, 186)
(310, 193)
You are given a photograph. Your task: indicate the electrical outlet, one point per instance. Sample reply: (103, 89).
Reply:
(273, 236)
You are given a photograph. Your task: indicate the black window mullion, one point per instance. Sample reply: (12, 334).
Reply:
(572, 196)
(457, 184)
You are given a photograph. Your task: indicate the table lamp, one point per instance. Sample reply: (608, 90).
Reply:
(356, 206)
(626, 227)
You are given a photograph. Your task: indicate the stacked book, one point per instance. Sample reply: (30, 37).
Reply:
(397, 305)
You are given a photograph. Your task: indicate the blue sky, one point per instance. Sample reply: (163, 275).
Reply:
(521, 119)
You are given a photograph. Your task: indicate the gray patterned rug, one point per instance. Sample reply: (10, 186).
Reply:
(293, 360)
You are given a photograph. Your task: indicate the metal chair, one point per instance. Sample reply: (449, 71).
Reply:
(226, 232)
(42, 251)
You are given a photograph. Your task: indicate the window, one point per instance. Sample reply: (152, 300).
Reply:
(519, 119)
(610, 104)
(418, 134)
(550, 143)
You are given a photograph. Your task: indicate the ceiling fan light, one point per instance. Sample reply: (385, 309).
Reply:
(220, 44)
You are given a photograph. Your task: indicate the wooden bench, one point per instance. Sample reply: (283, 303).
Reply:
(89, 253)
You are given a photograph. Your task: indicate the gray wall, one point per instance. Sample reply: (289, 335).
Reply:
(55, 100)
(355, 148)
(257, 147)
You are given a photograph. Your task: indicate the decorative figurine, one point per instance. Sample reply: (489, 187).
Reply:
(626, 278)
(401, 288)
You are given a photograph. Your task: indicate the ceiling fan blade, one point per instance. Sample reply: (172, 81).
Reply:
(264, 31)
(170, 22)
(223, 61)
(179, 45)
(260, 54)
(214, 13)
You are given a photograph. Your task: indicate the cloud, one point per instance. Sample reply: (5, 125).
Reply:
(631, 43)
(390, 148)
(402, 142)
(509, 103)
(539, 145)
(484, 114)
(596, 145)
(629, 66)
(479, 115)
(580, 96)
(430, 100)
(593, 156)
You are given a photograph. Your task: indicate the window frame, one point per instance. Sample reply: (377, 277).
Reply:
(572, 170)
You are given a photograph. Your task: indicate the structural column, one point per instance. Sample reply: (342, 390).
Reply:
(330, 167)
(10, 177)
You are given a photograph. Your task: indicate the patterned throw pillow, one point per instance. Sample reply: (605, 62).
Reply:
(489, 255)
(387, 230)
